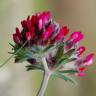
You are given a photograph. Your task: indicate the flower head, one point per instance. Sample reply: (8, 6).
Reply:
(45, 38)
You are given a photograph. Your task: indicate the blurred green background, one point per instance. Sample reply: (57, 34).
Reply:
(79, 15)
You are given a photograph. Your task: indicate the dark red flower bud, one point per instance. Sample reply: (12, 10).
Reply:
(18, 33)
(45, 16)
(28, 23)
(40, 24)
(76, 37)
(63, 31)
(89, 59)
(32, 32)
(80, 50)
(24, 23)
(16, 39)
(28, 36)
(33, 19)
(48, 32)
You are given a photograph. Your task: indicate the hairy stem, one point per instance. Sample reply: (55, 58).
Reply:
(46, 77)
(44, 83)
(45, 64)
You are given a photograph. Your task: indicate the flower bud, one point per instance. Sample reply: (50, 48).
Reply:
(16, 39)
(40, 24)
(80, 50)
(76, 37)
(89, 59)
(63, 32)
(28, 36)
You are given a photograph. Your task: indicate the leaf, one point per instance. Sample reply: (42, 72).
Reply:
(65, 57)
(66, 78)
(12, 48)
(59, 52)
(17, 47)
(20, 59)
(23, 55)
(69, 53)
(48, 48)
(34, 67)
(38, 49)
(64, 61)
(68, 71)
(11, 52)
(61, 60)
(11, 45)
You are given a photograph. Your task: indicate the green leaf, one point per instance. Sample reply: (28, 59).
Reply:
(48, 48)
(23, 55)
(12, 55)
(34, 67)
(11, 45)
(69, 53)
(64, 58)
(20, 59)
(17, 47)
(38, 49)
(66, 78)
(68, 71)
(59, 52)
(64, 61)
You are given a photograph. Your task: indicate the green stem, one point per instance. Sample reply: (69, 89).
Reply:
(12, 55)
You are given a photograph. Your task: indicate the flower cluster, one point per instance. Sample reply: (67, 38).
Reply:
(41, 36)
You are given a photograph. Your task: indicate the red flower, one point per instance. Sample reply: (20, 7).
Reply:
(45, 16)
(63, 32)
(40, 24)
(33, 19)
(17, 36)
(89, 59)
(81, 74)
(80, 50)
(16, 39)
(48, 32)
(28, 36)
(76, 37)
(24, 23)
(18, 33)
